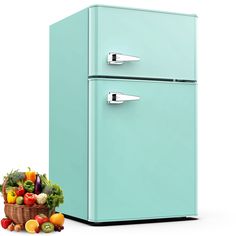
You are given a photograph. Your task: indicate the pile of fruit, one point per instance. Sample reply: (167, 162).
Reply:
(40, 223)
(31, 189)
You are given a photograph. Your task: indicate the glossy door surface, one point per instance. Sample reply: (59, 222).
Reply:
(164, 42)
(142, 161)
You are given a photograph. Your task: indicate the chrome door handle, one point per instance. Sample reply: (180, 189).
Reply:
(114, 58)
(118, 98)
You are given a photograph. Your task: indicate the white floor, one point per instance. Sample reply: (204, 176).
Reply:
(212, 222)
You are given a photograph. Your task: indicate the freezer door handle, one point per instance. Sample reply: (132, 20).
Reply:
(115, 58)
(118, 98)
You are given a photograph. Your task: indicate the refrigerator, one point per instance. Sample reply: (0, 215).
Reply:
(122, 114)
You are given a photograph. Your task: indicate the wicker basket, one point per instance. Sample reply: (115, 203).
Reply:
(20, 214)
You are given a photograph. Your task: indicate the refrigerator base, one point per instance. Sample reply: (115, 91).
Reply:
(160, 220)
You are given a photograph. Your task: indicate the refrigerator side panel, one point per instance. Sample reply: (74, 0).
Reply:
(68, 111)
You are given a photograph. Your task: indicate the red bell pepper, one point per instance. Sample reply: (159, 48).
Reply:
(20, 191)
(41, 218)
(5, 222)
(29, 199)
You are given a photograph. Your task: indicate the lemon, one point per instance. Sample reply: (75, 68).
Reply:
(31, 226)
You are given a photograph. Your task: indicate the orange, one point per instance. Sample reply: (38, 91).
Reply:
(57, 219)
(31, 226)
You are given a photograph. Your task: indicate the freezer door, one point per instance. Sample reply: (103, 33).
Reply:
(142, 150)
(139, 43)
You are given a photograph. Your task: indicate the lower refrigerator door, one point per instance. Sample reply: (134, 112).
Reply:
(142, 153)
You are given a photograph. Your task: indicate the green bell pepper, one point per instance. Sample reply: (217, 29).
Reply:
(29, 186)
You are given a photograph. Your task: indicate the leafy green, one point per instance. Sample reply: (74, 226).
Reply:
(15, 178)
(56, 197)
(47, 189)
(54, 192)
(44, 181)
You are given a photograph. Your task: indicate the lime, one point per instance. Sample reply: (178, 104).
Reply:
(19, 200)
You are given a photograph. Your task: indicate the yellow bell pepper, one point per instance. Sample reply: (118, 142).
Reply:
(11, 197)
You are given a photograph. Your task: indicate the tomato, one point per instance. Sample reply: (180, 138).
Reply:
(41, 218)
(20, 191)
(5, 222)
(29, 199)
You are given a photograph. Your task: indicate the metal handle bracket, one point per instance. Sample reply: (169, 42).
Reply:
(114, 58)
(118, 98)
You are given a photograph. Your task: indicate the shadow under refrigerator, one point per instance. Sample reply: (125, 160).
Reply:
(123, 114)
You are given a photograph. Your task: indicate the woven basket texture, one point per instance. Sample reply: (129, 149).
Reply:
(20, 214)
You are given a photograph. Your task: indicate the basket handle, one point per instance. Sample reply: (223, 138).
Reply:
(4, 193)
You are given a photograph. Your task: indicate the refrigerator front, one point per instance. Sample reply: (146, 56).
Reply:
(142, 147)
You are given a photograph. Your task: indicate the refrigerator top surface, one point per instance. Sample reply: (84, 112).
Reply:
(141, 9)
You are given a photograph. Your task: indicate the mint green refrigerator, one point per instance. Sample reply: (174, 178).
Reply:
(122, 140)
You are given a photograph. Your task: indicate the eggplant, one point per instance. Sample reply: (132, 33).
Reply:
(38, 186)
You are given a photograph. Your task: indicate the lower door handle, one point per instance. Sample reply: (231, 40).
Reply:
(114, 58)
(118, 98)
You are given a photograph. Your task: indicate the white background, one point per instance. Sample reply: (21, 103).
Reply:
(24, 65)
